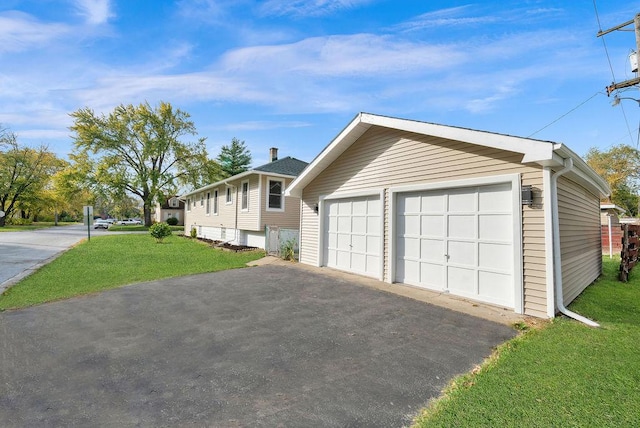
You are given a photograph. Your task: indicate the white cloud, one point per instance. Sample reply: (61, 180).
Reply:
(450, 17)
(20, 31)
(308, 7)
(95, 12)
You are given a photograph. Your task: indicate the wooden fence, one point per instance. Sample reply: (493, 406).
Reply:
(629, 252)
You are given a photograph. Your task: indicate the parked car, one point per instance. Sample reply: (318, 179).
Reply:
(101, 224)
(129, 221)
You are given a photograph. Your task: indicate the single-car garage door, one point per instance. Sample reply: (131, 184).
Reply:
(458, 240)
(352, 234)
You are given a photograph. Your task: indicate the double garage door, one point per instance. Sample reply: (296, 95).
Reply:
(454, 240)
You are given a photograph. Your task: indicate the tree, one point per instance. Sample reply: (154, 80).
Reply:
(25, 174)
(138, 150)
(620, 167)
(235, 158)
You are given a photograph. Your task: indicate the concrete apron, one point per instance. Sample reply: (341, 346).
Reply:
(482, 310)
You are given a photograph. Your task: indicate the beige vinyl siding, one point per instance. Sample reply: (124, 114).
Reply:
(248, 220)
(580, 246)
(290, 218)
(382, 158)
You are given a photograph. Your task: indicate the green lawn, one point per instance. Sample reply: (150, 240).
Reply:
(33, 226)
(139, 228)
(563, 374)
(115, 260)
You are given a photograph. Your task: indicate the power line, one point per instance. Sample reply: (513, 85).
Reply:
(613, 76)
(567, 113)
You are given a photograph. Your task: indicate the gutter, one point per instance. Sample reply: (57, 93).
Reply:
(557, 258)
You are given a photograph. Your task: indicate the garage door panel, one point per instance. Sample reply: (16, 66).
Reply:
(494, 256)
(432, 225)
(462, 226)
(490, 197)
(495, 227)
(432, 250)
(496, 286)
(462, 253)
(359, 243)
(373, 225)
(410, 248)
(461, 280)
(359, 224)
(410, 224)
(461, 200)
(344, 224)
(373, 244)
(343, 242)
(411, 204)
(432, 275)
(434, 202)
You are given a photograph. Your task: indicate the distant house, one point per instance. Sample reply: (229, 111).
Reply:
(170, 207)
(239, 208)
(490, 217)
(610, 228)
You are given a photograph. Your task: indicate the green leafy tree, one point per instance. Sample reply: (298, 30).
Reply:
(25, 176)
(234, 158)
(137, 150)
(620, 167)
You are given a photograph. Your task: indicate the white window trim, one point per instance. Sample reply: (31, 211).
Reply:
(208, 204)
(281, 180)
(201, 199)
(228, 196)
(216, 194)
(188, 204)
(244, 209)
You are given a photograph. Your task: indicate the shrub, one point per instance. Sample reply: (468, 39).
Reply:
(17, 221)
(194, 233)
(172, 221)
(288, 250)
(160, 231)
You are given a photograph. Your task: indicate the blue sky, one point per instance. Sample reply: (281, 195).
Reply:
(293, 73)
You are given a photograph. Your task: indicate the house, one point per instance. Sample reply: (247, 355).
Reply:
(170, 207)
(494, 218)
(611, 231)
(239, 208)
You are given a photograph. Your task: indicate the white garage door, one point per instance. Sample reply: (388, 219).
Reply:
(352, 234)
(458, 240)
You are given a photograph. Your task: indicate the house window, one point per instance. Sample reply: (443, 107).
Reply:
(215, 202)
(245, 195)
(275, 199)
(208, 208)
(201, 199)
(229, 200)
(188, 204)
(173, 203)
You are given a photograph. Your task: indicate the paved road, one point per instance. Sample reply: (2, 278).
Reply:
(264, 346)
(23, 252)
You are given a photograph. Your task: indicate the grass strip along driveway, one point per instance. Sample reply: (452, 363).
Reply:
(111, 261)
(563, 374)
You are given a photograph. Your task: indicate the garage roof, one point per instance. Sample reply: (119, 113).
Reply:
(545, 153)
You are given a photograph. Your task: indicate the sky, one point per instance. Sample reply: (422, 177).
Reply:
(292, 74)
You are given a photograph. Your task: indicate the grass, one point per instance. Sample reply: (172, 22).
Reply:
(112, 261)
(33, 226)
(139, 228)
(562, 374)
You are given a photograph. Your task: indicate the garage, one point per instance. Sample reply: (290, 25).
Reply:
(486, 216)
(352, 234)
(458, 241)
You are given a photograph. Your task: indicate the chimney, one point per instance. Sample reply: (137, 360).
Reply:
(273, 154)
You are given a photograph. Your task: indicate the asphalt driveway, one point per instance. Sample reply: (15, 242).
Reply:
(264, 346)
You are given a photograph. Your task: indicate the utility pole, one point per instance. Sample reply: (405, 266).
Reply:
(631, 82)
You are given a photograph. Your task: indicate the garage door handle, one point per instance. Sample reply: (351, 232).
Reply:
(447, 256)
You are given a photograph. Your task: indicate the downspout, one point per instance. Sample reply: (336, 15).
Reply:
(557, 258)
